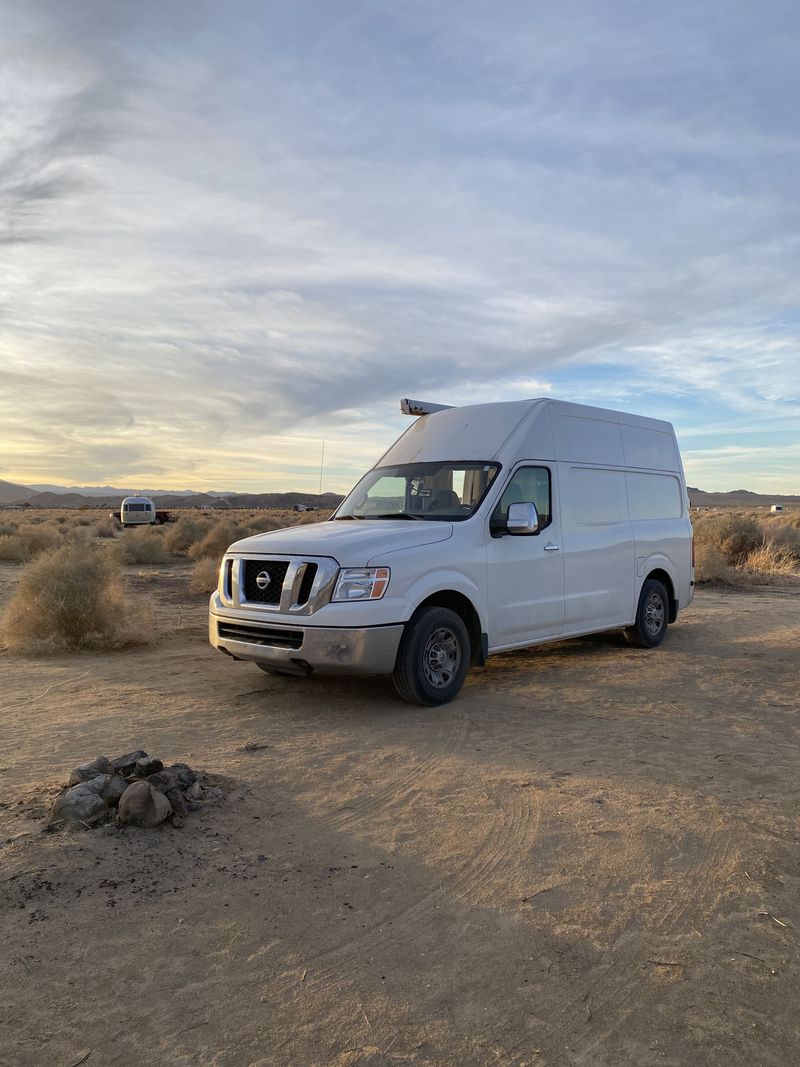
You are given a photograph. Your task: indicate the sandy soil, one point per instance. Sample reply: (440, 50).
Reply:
(590, 858)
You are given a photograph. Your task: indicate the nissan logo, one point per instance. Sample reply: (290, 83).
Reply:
(262, 579)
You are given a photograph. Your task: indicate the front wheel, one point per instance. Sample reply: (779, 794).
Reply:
(652, 616)
(433, 658)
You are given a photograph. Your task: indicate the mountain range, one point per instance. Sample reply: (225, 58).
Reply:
(108, 496)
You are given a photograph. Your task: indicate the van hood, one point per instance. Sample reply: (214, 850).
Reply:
(352, 543)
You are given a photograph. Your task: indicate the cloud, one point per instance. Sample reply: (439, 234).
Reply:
(245, 228)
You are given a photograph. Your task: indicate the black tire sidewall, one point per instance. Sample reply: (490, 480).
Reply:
(652, 585)
(409, 673)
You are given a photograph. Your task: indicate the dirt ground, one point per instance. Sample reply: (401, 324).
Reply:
(591, 857)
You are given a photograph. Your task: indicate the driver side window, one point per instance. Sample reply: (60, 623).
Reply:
(528, 485)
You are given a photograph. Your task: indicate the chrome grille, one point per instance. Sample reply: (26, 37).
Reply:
(309, 574)
(274, 570)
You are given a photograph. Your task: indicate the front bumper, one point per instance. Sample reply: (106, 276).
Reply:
(305, 649)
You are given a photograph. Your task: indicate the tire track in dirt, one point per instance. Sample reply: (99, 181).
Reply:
(497, 857)
(611, 995)
(448, 741)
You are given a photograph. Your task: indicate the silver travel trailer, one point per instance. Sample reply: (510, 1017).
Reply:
(137, 511)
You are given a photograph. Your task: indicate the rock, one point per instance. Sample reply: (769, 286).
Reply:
(147, 766)
(163, 780)
(176, 801)
(195, 791)
(143, 805)
(126, 764)
(185, 774)
(86, 771)
(114, 789)
(83, 802)
(177, 822)
(212, 793)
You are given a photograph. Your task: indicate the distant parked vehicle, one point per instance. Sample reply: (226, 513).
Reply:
(777, 509)
(137, 511)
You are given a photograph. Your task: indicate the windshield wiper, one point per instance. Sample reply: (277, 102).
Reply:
(398, 515)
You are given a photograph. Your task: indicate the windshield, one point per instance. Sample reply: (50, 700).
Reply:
(437, 492)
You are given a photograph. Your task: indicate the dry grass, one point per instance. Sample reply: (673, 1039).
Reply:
(736, 548)
(204, 575)
(142, 546)
(187, 531)
(216, 540)
(27, 541)
(106, 527)
(12, 550)
(772, 559)
(71, 599)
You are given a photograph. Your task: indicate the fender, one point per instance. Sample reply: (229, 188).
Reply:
(440, 580)
(656, 561)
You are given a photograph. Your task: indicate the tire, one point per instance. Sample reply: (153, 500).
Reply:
(652, 616)
(433, 658)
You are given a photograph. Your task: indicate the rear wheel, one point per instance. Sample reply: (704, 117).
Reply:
(652, 616)
(433, 658)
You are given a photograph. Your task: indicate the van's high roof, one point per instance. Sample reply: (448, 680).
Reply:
(539, 429)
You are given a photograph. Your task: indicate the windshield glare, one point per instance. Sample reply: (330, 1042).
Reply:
(439, 492)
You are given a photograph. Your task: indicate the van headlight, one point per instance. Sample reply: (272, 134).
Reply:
(361, 583)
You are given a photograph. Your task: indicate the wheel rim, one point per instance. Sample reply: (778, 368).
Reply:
(441, 658)
(654, 614)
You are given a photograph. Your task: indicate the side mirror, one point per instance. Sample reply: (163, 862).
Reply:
(522, 519)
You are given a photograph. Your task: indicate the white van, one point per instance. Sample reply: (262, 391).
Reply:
(137, 511)
(483, 528)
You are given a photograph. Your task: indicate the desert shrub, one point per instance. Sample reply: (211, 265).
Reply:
(61, 519)
(105, 527)
(732, 535)
(204, 575)
(773, 558)
(263, 524)
(38, 538)
(12, 549)
(85, 520)
(142, 546)
(216, 540)
(26, 542)
(186, 532)
(80, 535)
(7, 529)
(70, 598)
(784, 536)
(711, 565)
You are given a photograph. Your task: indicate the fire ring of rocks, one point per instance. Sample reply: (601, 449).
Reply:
(134, 789)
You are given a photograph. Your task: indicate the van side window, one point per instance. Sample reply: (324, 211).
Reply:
(528, 485)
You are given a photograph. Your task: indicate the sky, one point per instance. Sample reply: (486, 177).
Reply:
(232, 232)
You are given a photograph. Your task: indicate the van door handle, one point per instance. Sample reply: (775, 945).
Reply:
(550, 547)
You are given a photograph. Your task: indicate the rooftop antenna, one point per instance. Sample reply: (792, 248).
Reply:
(321, 468)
